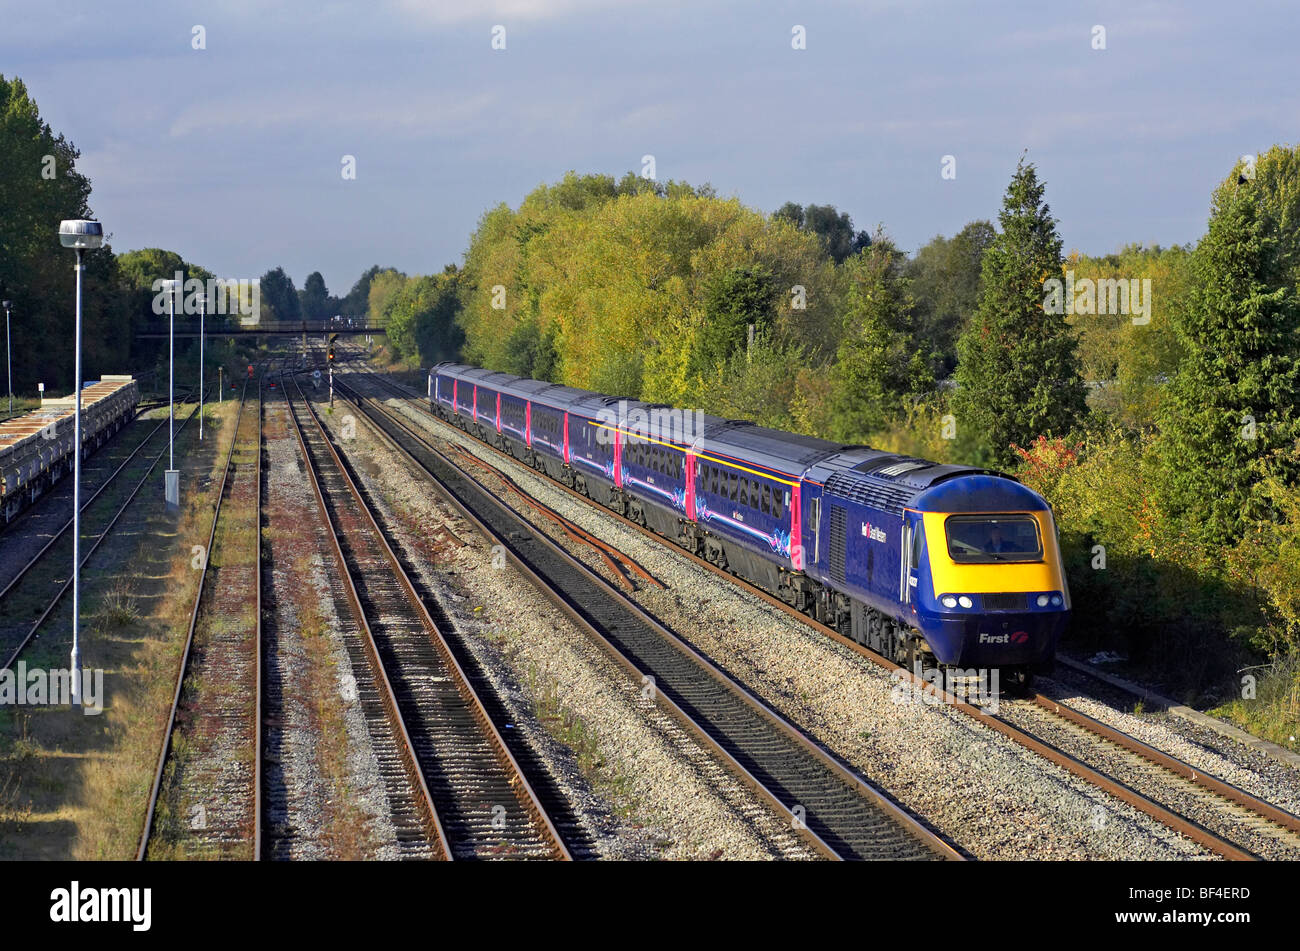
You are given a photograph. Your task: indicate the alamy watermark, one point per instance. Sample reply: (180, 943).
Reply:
(932, 686)
(656, 424)
(219, 295)
(37, 687)
(1107, 295)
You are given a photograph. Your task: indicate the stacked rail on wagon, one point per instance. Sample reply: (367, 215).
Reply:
(36, 448)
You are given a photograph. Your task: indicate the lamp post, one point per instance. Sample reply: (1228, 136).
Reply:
(80, 235)
(171, 479)
(9, 360)
(203, 307)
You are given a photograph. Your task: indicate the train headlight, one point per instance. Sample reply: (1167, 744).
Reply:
(1042, 600)
(965, 601)
(1056, 600)
(948, 601)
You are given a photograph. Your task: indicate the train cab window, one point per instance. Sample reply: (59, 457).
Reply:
(767, 499)
(984, 539)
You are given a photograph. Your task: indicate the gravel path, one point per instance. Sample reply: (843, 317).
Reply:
(989, 795)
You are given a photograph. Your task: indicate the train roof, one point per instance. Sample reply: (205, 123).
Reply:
(886, 480)
(892, 481)
(788, 453)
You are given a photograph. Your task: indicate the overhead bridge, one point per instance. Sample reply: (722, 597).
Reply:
(157, 329)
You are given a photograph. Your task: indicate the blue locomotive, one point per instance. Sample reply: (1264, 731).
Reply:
(922, 562)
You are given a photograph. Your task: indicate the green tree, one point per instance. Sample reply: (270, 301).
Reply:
(40, 185)
(357, 301)
(314, 298)
(384, 290)
(878, 366)
(278, 293)
(422, 318)
(835, 228)
(1017, 371)
(945, 277)
(733, 300)
(1232, 401)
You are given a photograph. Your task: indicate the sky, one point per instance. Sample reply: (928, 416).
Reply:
(233, 154)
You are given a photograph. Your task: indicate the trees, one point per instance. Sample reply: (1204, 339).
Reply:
(945, 276)
(278, 292)
(384, 288)
(734, 300)
(357, 300)
(421, 316)
(1017, 371)
(314, 299)
(1232, 400)
(877, 365)
(40, 185)
(835, 228)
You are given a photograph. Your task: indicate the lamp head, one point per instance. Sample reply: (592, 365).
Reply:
(81, 234)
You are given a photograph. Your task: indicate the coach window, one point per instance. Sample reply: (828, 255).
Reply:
(743, 501)
(776, 503)
(767, 499)
(713, 480)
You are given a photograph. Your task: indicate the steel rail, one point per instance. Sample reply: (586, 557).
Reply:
(424, 799)
(31, 633)
(523, 789)
(85, 505)
(1124, 793)
(156, 787)
(902, 821)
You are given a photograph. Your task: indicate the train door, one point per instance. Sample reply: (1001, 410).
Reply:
(690, 486)
(815, 520)
(796, 529)
(910, 557)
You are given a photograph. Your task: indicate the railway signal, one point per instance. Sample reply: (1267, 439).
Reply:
(333, 337)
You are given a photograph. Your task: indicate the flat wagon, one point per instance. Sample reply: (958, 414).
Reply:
(36, 448)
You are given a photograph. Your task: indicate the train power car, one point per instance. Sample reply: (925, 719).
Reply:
(36, 448)
(948, 565)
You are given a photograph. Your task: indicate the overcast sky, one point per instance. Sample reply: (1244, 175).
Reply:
(231, 155)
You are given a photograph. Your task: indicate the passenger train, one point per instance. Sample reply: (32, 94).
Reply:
(927, 564)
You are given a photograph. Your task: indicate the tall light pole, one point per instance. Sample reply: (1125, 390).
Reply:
(203, 307)
(79, 235)
(9, 360)
(171, 479)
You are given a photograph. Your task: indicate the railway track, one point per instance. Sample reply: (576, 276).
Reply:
(833, 809)
(207, 783)
(473, 799)
(34, 591)
(1225, 820)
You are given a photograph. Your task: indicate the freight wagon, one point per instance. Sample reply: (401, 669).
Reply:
(36, 448)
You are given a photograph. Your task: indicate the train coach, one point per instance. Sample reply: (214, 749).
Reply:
(925, 563)
(36, 448)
